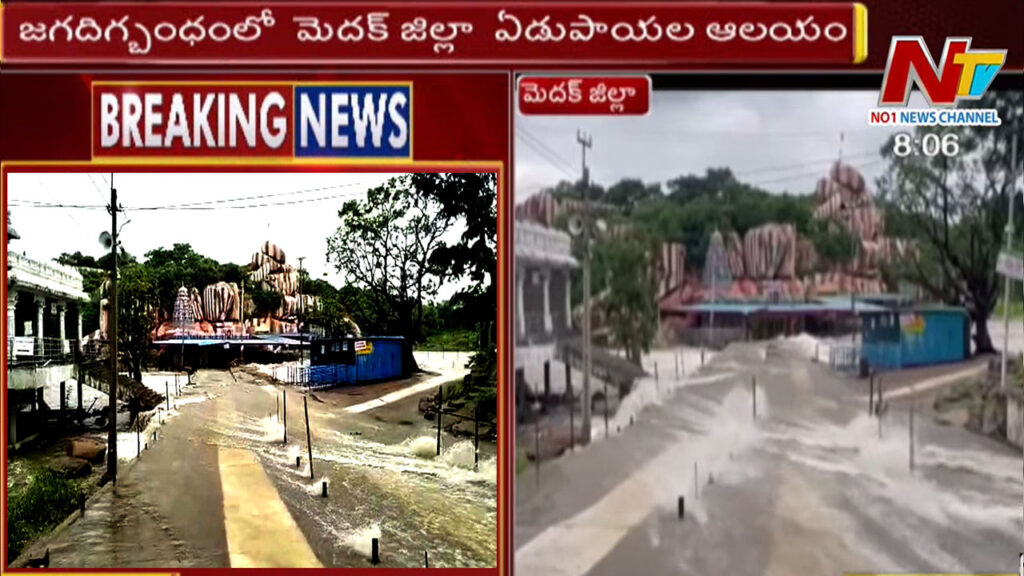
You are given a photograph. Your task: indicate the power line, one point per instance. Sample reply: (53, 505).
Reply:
(217, 204)
(30, 204)
(256, 197)
(806, 174)
(547, 153)
(96, 186)
(768, 169)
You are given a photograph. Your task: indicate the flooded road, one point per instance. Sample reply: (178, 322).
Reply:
(812, 485)
(384, 480)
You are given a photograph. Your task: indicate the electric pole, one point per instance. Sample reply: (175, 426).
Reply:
(300, 315)
(585, 142)
(112, 336)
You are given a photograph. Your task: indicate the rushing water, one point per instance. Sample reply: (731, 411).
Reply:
(381, 484)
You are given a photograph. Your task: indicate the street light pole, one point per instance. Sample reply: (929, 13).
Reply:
(112, 336)
(300, 315)
(585, 142)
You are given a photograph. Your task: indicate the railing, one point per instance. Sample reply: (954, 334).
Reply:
(535, 332)
(844, 357)
(32, 349)
(65, 275)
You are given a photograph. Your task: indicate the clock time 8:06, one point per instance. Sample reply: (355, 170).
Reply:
(932, 144)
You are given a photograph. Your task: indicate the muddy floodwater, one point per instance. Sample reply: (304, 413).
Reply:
(384, 480)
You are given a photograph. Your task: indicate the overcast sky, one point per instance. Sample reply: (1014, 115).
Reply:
(226, 235)
(779, 140)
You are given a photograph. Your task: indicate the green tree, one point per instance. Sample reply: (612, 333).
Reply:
(833, 243)
(955, 207)
(264, 301)
(629, 192)
(630, 267)
(385, 245)
(182, 266)
(136, 305)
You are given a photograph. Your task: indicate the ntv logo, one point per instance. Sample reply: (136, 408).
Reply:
(962, 73)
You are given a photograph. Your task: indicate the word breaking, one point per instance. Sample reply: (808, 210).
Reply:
(224, 119)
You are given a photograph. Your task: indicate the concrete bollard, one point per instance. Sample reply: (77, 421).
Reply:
(753, 391)
(547, 381)
(911, 432)
(323, 491)
(682, 507)
(309, 439)
(871, 394)
(696, 488)
(375, 551)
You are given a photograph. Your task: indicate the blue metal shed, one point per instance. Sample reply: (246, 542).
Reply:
(356, 360)
(922, 336)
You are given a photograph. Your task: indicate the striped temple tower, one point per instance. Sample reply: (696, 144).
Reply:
(183, 317)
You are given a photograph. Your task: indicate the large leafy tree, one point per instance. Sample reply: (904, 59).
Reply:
(136, 305)
(182, 266)
(629, 299)
(470, 198)
(955, 205)
(385, 245)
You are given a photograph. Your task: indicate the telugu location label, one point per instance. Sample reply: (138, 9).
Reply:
(321, 120)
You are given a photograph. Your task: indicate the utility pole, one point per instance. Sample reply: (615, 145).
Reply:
(241, 314)
(300, 315)
(714, 274)
(585, 141)
(1009, 246)
(112, 336)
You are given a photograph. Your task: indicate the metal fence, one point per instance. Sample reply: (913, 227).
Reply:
(32, 349)
(844, 357)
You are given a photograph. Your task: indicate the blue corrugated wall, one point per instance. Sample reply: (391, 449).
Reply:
(889, 346)
(384, 363)
(942, 340)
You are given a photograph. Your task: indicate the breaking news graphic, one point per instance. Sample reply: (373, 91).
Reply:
(513, 288)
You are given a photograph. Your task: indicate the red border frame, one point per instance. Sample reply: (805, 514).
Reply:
(504, 257)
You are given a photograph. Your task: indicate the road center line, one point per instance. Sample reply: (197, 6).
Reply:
(261, 533)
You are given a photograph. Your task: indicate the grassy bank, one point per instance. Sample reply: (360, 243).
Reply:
(450, 340)
(38, 507)
(1016, 310)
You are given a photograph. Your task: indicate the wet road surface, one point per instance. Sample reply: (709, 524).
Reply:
(169, 508)
(809, 487)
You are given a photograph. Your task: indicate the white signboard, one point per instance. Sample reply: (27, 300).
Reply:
(360, 345)
(1010, 264)
(24, 346)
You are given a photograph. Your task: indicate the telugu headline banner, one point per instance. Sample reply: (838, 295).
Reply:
(522, 33)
